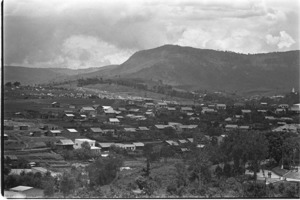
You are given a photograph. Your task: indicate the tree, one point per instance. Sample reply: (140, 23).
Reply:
(48, 188)
(218, 171)
(254, 190)
(67, 184)
(290, 148)
(227, 170)
(251, 147)
(104, 170)
(167, 152)
(16, 84)
(6, 169)
(199, 167)
(8, 84)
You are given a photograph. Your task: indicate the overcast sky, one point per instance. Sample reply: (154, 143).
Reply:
(94, 33)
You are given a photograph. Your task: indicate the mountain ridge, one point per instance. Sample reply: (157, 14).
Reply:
(194, 68)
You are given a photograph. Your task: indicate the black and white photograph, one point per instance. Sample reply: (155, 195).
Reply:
(159, 99)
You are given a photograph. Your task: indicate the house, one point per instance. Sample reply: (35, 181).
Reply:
(96, 149)
(119, 117)
(130, 147)
(171, 109)
(286, 119)
(105, 146)
(281, 123)
(19, 171)
(171, 143)
(246, 111)
(149, 105)
(72, 130)
(183, 141)
(143, 128)
(295, 108)
(230, 127)
(263, 103)
(110, 113)
(150, 114)
(68, 116)
(55, 105)
(270, 118)
(41, 170)
(96, 130)
(285, 106)
(221, 106)
(262, 111)
(139, 145)
(186, 109)
(133, 110)
(162, 127)
(280, 111)
(114, 121)
(79, 142)
(191, 140)
(292, 128)
(207, 110)
(106, 131)
(28, 192)
(188, 127)
(89, 111)
(244, 128)
(53, 133)
(23, 127)
(161, 105)
(129, 129)
(184, 150)
(65, 144)
(229, 119)
(238, 116)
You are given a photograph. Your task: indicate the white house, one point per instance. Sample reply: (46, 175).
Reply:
(221, 106)
(79, 142)
(114, 121)
(295, 108)
(90, 111)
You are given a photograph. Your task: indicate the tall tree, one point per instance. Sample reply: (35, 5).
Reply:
(67, 184)
(199, 167)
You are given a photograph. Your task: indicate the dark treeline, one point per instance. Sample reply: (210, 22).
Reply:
(138, 84)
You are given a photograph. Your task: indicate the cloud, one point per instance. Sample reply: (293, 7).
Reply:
(283, 40)
(82, 33)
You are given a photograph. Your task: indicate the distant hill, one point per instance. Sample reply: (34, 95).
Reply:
(27, 75)
(191, 68)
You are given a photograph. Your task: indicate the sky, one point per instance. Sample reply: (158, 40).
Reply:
(94, 33)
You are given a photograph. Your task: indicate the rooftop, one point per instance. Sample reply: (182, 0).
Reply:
(96, 130)
(21, 188)
(72, 130)
(114, 120)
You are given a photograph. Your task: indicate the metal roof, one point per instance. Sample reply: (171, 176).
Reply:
(97, 130)
(113, 120)
(21, 188)
(138, 144)
(72, 130)
(66, 142)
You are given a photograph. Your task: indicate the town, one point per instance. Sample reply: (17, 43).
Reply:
(78, 143)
